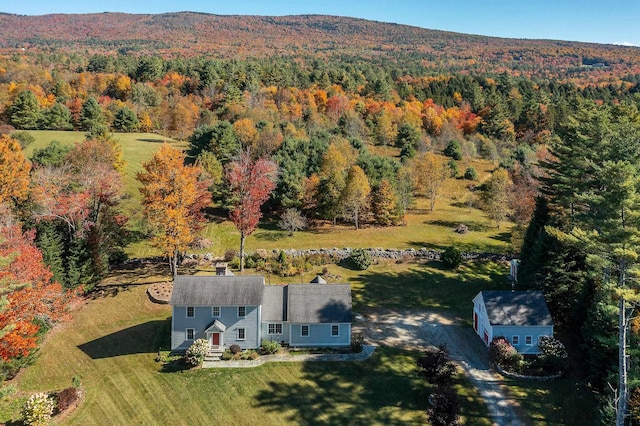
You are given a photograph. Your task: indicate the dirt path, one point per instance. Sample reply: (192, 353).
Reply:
(418, 329)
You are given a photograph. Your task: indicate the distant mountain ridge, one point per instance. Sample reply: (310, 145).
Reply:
(190, 33)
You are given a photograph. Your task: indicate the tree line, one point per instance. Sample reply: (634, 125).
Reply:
(580, 248)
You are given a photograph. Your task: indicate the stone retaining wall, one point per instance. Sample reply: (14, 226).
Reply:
(342, 253)
(523, 377)
(381, 253)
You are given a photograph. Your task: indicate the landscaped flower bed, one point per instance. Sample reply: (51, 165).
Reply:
(548, 365)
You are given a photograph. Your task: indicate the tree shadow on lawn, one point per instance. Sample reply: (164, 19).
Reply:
(375, 391)
(152, 140)
(428, 286)
(270, 235)
(142, 338)
(503, 236)
(136, 273)
(471, 224)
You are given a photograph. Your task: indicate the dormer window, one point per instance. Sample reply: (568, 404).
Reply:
(242, 311)
(191, 312)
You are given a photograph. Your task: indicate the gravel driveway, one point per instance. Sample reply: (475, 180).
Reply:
(418, 329)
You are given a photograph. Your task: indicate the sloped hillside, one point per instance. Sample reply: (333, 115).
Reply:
(189, 34)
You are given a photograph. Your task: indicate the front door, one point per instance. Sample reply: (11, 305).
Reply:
(215, 339)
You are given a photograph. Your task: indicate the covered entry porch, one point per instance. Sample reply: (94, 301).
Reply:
(215, 337)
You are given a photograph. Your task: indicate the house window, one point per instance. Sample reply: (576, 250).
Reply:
(242, 311)
(215, 311)
(275, 328)
(190, 333)
(241, 334)
(191, 312)
(304, 330)
(528, 340)
(515, 340)
(335, 330)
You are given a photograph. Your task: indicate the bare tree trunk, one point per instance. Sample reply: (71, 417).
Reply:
(623, 390)
(356, 216)
(243, 238)
(173, 264)
(621, 406)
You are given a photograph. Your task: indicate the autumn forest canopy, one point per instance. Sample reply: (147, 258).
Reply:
(314, 120)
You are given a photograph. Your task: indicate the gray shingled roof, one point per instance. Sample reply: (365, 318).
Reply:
(220, 290)
(274, 301)
(516, 308)
(318, 280)
(315, 303)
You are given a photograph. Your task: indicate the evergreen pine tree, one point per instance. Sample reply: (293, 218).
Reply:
(25, 112)
(51, 245)
(78, 265)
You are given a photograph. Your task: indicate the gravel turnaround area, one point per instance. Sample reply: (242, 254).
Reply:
(419, 329)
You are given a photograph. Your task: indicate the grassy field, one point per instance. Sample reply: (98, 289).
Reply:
(565, 401)
(136, 148)
(111, 344)
(112, 341)
(432, 229)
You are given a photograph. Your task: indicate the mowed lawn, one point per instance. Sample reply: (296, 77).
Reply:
(113, 339)
(111, 345)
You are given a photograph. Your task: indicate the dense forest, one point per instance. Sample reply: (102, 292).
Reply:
(358, 118)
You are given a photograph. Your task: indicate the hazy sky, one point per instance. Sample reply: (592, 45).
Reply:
(602, 21)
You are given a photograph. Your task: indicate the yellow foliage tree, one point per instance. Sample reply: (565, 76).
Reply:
(14, 170)
(173, 199)
(496, 196)
(429, 173)
(246, 132)
(120, 87)
(386, 130)
(355, 196)
(146, 125)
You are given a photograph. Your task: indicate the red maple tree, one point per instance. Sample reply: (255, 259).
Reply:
(251, 183)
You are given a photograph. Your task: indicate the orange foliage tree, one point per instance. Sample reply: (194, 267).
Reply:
(30, 296)
(174, 196)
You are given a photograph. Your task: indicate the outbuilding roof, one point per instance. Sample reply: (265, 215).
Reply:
(516, 308)
(218, 290)
(319, 303)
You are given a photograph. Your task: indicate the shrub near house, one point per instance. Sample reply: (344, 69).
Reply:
(551, 360)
